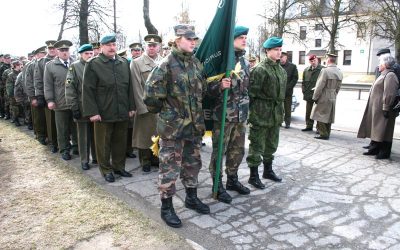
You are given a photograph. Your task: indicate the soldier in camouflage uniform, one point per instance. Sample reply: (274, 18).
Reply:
(49, 122)
(21, 98)
(237, 110)
(4, 109)
(73, 97)
(38, 116)
(310, 76)
(267, 93)
(175, 90)
(10, 83)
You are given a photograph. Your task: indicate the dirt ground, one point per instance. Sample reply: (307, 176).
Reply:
(46, 204)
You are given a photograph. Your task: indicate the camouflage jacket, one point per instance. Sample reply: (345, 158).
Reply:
(19, 92)
(10, 82)
(267, 92)
(28, 78)
(38, 75)
(237, 107)
(73, 85)
(3, 79)
(175, 89)
(310, 77)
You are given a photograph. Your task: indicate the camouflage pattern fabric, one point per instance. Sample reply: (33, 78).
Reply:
(237, 107)
(263, 144)
(6, 92)
(234, 138)
(178, 157)
(3, 68)
(16, 108)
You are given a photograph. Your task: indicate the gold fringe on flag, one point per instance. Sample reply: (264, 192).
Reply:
(155, 148)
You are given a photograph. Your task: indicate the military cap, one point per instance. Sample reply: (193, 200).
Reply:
(273, 42)
(152, 39)
(50, 43)
(1, 55)
(135, 46)
(85, 47)
(7, 56)
(95, 45)
(240, 30)
(122, 53)
(331, 55)
(383, 51)
(185, 30)
(30, 53)
(63, 44)
(41, 50)
(16, 62)
(108, 38)
(311, 57)
(252, 59)
(284, 53)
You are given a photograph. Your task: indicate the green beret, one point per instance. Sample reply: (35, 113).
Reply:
(152, 39)
(63, 44)
(273, 42)
(50, 43)
(85, 47)
(185, 30)
(109, 38)
(240, 30)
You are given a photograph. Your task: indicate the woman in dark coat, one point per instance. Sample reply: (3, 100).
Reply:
(379, 118)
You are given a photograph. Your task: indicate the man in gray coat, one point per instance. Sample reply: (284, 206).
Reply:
(55, 74)
(324, 97)
(73, 96)
(144, 126)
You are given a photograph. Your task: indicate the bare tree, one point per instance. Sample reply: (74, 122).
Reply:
(64, 7)
(146, 16)
(385, 20)
(334, 15)
(183, 15)
(83, 22)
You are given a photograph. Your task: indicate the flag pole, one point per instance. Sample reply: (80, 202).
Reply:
(221, 140)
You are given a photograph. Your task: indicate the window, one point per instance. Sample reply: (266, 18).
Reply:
(347, 57)
(317, 42)
(361, 30)
(290, 56)
(318, 27)
(303, 11)
(303, 32)
(302, 57)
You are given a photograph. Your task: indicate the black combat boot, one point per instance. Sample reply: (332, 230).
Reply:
(232, 183)
(192, 202)
(269, 173)
(384, 150)
(222, 195)
(168, 213)
(7, 116)
(255, 179)
(373, 148)
(17, 123)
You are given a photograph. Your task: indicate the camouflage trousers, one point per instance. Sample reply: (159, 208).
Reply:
(16, 108)
(180, 157)
(234, 137)
(263, 144)
(324, 129)
(309, 122)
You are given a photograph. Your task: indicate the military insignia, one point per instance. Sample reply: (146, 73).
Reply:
(50, 45)
(152, 40)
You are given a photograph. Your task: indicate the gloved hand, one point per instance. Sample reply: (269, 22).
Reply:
(76, 114)
(40, 101)
(386, 114)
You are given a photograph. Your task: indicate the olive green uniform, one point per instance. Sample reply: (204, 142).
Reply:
(107, 91)
(310, 76)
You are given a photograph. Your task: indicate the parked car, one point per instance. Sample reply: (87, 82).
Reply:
(295, 103)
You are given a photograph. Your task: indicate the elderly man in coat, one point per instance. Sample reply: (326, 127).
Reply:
(379, 118)
(324, 97)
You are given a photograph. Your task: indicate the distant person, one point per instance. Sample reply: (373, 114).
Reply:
(379, 118)
(252, 62)
(5, 65)
(15, 107)
(136, 50)
(324, 97)
(395, 68)
(96, 48)
(292, 78)
(310, 76)
(267, 92)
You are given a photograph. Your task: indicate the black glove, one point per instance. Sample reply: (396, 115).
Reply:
(76, 114)
(40, 101)
(386, 114)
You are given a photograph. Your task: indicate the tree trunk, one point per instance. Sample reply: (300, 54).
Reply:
(149, 26)
(83, 22)
(64, 20)
(115, 16)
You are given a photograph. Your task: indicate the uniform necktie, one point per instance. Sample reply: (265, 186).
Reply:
(66, 63)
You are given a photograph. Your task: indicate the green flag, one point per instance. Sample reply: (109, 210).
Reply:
(217, 55)
(216, 50)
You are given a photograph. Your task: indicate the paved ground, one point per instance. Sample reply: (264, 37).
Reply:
(331, 197)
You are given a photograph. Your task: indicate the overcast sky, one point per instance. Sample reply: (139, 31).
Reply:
(26, 24)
